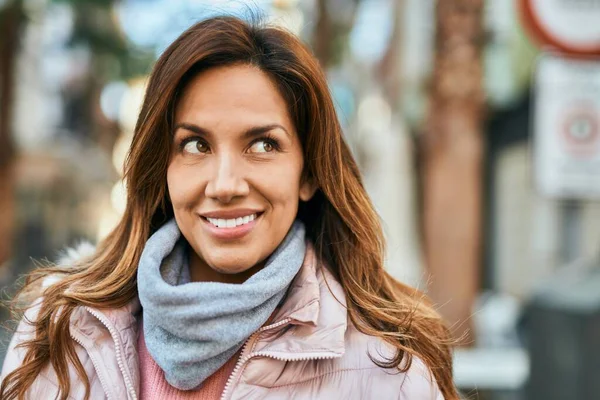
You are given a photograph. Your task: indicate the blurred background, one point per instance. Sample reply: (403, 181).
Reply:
(475, 123)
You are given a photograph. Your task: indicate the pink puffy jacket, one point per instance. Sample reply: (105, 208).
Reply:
(310, 351)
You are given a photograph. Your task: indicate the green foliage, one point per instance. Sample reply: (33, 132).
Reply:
(99, 3)
(97, 29)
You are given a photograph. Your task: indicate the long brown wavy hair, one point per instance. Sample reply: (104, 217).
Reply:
(340, 218)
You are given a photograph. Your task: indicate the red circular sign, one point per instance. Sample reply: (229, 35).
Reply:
(572, 28)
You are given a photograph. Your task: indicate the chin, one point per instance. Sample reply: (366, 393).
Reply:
(231, 265)
(230, 269)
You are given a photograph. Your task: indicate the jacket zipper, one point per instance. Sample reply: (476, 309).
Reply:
(95, 364)
(117, 341)
(245, 358)
(238, 364)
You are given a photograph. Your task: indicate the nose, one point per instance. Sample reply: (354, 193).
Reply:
(227, 181)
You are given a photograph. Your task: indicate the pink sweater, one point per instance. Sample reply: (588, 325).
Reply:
(153, 385)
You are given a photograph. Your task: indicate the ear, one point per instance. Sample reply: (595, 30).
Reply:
(308, 189)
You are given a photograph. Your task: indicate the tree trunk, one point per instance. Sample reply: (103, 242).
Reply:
(322, 36)
(10, 21)
(452, 164)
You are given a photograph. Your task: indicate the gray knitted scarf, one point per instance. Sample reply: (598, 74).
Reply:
(192, 328)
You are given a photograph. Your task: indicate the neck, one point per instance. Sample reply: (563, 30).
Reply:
(200, 271)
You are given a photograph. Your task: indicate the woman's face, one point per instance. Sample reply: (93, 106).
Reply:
(235, 174)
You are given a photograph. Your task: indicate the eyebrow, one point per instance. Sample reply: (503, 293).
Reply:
(249, 133)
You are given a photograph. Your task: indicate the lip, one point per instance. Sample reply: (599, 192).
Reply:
(237, 232)
(230, 214)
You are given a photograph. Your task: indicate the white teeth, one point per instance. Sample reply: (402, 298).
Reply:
(231, 223)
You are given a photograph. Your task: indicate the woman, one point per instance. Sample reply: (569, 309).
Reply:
(249, 261)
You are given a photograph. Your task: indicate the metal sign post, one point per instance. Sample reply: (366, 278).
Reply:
(564, 312)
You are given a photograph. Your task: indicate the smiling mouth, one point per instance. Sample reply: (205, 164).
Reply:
(232, 222)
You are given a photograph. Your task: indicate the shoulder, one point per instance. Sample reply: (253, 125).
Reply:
(25, 331)
(45, 384)
(416, 383)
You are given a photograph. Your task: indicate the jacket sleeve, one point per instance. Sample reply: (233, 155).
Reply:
(419, 383)
(25, 331)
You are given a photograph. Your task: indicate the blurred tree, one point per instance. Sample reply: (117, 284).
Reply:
(112, 57)
(322, 35)
(452, 162)
(11, 21)
(330, 35)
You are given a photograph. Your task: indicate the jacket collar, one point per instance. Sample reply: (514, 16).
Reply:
(316, 308)
(313, 319)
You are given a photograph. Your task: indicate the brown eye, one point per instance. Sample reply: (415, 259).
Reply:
(196, 147)
(267, 147)
(262, 146)
(201, 147)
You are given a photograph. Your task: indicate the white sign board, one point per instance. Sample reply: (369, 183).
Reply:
(566, 127)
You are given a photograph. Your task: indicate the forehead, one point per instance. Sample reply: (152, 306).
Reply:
(240, 94)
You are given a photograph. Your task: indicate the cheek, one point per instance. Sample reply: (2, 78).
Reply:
(283, 184)
(180, 185)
